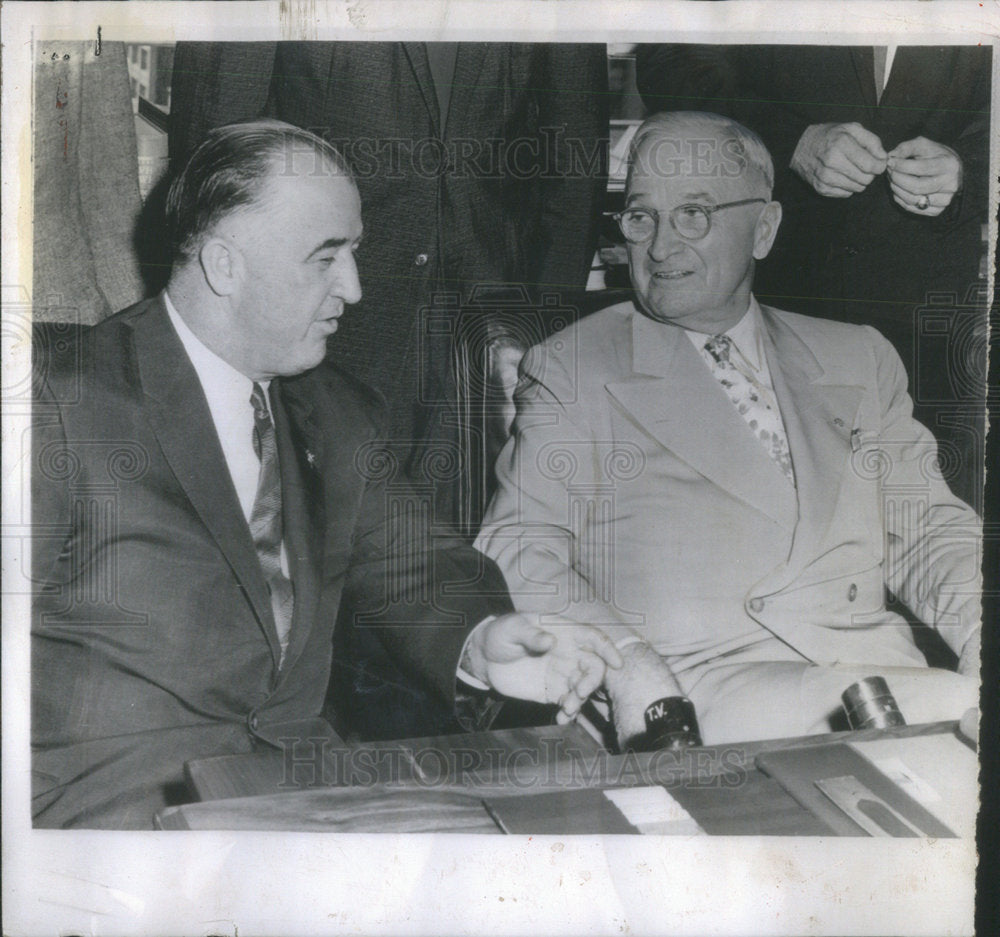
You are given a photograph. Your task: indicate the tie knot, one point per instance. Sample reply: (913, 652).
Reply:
(718, 346)
(259, 403)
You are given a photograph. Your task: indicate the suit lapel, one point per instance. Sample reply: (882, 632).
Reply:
(864, 68)
(818, 420)
(320, 430)
(918, 85)
(416, 52)
(300, 455)
(182, 422)
(674, 397)
(470, 62)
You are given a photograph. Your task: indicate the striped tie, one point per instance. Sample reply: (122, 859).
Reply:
(265, 519)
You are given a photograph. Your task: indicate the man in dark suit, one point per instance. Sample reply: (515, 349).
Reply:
(481, 168)
(207, 492)
(882, 167)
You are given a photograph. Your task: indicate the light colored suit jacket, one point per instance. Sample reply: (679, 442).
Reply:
(632, 494)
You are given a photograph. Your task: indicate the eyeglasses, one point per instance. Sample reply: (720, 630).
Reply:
(689, 221)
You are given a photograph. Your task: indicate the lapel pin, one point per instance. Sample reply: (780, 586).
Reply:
(311, 458)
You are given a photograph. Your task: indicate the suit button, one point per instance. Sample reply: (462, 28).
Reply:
(420, 260)
(253, 720)
(852, 592)
(756, 605)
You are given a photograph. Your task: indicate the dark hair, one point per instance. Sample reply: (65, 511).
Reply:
(227, 172)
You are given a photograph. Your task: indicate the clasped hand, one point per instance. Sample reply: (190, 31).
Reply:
(840, 160)
(563, 662)
(924, 176)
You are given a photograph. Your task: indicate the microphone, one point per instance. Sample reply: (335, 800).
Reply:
(671, 724)
(869, 704)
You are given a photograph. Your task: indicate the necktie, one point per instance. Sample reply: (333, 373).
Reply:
(265, 518)
(746, 396)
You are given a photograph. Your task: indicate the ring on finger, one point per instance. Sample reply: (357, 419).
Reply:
(922, 203)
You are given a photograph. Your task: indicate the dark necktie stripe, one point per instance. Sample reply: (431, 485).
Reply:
(265, 519)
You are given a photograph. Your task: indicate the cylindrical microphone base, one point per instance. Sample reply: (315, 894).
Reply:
(671, 724)
(869, 704)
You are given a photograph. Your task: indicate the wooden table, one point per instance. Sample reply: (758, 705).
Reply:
(440, 784)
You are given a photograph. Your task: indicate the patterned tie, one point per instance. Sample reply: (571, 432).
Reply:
(760, 416)
(265, 519)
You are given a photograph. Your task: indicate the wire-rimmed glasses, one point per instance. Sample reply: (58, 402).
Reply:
(691, 221)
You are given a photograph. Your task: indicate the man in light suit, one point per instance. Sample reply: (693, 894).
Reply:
(727, 488)
(207, 493)
(881, 161)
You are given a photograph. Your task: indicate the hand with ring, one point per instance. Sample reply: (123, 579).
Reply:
(924, 176)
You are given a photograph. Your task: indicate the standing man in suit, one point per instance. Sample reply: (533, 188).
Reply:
(207, 491)
(882, 168)
(727, 488)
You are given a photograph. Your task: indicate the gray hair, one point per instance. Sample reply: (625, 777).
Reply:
(741, 148)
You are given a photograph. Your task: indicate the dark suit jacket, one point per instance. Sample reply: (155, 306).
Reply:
(508, 191)
(864, 259)
(153, 639)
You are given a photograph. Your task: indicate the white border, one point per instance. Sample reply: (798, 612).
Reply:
(284, 884)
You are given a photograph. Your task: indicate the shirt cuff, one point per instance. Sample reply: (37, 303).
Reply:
(462, 673)
(629, 640)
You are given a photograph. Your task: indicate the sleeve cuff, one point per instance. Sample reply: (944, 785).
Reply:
(463, 673)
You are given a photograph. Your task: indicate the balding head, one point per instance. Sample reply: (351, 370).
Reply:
(698, 214)
(697, 143)
(230, 171)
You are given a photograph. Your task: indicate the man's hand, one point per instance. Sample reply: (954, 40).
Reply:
(838, 160)
(924, 176)
(563, 663)
(643, 678)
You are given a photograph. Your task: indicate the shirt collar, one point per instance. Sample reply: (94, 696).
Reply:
(222, 383)
(745, 335)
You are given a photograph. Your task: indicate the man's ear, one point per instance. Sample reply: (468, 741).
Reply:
(222, 264)
(766, 230)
